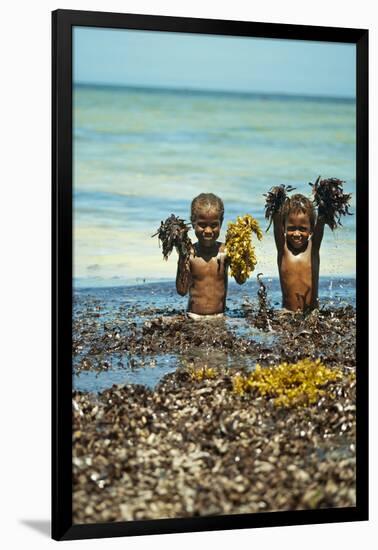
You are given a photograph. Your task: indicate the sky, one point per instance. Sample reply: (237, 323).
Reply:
(208, 62)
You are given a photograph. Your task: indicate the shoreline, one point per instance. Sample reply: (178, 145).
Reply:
(191, 446)
(136, 333)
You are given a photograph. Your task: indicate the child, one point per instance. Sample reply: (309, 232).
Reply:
(298, 234)
(204, 273)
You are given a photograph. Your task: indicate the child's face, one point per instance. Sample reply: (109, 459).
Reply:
(298, 230)
(207, 227)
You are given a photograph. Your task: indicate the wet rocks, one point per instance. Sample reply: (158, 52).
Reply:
(193, 447)
(328, 335)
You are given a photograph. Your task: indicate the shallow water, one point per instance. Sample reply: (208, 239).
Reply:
(124, 369)
(113, 312)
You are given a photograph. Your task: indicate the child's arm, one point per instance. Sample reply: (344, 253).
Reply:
(173, 233)
(275, 200)
(278, 229)
(183, 277)
(318, 233)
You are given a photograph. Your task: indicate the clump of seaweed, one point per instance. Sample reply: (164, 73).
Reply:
(265, 312)
(239, 248)
(262, 294)
(173, 232)
(201, 373)
(275, 199)
(296, 384)
(331, 201)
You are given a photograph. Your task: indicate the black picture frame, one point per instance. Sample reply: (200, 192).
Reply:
(62, 23)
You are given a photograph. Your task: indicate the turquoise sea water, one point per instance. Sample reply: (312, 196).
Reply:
(142, 154)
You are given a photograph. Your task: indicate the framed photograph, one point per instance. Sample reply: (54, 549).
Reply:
(210, 274)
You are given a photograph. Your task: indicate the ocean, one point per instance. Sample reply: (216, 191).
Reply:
(142, 154)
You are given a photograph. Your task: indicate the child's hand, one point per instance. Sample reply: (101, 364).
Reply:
(185, 250)
(275, 199)
(331, 201)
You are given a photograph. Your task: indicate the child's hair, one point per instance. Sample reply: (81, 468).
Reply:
(299, 203)
(206, 201)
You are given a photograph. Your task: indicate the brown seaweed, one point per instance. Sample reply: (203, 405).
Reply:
(265, 312)
(173, 233)
(331, 201)
(192, 448)
(275, 199)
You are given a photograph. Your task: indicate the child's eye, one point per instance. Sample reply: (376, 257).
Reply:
(294, 228)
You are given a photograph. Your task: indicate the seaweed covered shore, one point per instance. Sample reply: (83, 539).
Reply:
(192, 445)
(329, 334)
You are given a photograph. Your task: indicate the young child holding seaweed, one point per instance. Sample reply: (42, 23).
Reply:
(298, 234)
(204, 272)
(203, 267)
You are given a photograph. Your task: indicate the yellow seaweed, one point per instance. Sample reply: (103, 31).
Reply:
(289, 384)
(201, 373)
(239, 248)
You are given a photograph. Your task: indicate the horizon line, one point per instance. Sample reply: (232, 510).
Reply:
(201, 91)
(79, 283)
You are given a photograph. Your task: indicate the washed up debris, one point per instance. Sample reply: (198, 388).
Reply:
(201, 373)
(300, 383)
(194, 448)
(328, 334)
(265, 312)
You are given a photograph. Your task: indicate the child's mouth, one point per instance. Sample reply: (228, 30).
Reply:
(207, 240)
(297, 243)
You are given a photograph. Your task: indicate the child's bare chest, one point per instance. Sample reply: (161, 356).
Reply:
(296, 263)
(213, 268)
(295, 268)
(299, 261)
